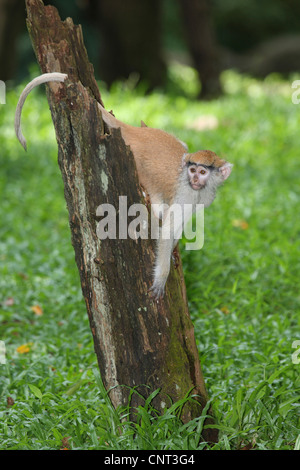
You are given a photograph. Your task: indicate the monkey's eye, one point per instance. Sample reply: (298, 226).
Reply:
(193, 170)
(202, 172)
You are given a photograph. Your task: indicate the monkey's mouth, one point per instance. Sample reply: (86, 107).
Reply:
(196, 186)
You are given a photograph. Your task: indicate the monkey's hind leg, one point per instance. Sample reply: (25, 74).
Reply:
(175, 256)
(162, 266)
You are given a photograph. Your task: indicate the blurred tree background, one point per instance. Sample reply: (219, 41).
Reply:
(138, 39)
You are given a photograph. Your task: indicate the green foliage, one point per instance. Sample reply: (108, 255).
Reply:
(242, 286)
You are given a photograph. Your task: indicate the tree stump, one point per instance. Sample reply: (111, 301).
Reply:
(138, 342)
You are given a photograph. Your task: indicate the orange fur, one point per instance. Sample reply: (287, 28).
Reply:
(161, 162)
(205, 157)
(156, 153)
(159, 157)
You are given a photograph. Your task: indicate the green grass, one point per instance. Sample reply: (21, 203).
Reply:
(243, 286)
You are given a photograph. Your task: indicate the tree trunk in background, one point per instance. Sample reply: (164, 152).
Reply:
(138, 342)
(12, 15)
(130, 40)
(201, 42)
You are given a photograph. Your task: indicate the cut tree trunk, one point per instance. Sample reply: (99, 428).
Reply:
(138, 342)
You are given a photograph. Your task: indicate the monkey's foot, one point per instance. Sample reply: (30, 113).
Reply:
(175, 257)
(157, 291)
(146, 196)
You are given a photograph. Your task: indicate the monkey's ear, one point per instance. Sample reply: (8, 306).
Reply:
(143, 124)
(184, 160)
(225, 170)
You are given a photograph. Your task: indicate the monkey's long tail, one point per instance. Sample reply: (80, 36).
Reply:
(46, 77)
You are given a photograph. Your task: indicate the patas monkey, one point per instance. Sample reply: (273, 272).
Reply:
(166, 170)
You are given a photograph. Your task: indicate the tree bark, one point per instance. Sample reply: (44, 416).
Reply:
(138, 342)
(201, 41)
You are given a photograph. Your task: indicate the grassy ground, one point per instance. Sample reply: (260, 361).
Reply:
(243, 286)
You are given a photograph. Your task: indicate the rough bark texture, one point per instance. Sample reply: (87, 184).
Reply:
(137, 341)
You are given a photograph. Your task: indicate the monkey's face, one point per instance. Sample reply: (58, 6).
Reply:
(198, 176)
